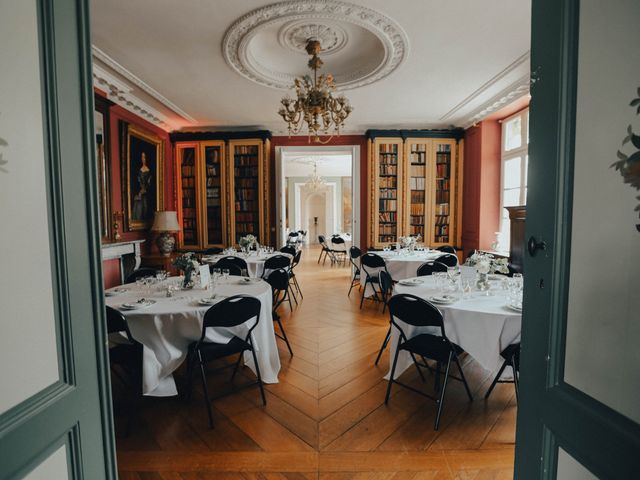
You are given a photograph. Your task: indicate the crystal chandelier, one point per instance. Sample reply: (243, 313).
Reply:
(315, 105)
(315, 181)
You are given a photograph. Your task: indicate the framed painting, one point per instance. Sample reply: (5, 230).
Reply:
(101, 123)
(142, 176)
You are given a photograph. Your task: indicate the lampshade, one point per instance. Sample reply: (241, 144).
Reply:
(165, 222)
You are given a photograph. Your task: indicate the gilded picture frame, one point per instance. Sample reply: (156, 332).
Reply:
(102, 138)
(143, 176)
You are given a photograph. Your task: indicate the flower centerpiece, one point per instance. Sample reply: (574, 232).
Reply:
(485, 264)
(247, 242)
(409, 242)
(186, 264)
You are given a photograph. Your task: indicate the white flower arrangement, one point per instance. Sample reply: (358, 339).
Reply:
(487, 263)
(409, 241)
(247, 241)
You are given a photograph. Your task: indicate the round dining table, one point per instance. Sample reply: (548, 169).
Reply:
(255, 261)
(167, 327)
(481, 323)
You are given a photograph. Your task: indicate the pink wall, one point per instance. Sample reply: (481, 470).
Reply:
(111, 269)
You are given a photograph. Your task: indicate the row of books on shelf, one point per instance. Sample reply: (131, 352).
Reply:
(416, 209)
(442, 184)
(212, 155)
(417, 170)
(387, 238)
(417, 196)
(388, 205)
(387, 230)
(246, 217)
(189, 236)
(442, 196)
(212, 171)
(441, 230)
(391, 193)
(188, 182)
(213, 182)
(246, 206)
(248, 183)
(245, 172)
(388, 170)
(188, 202)
(418, 148)
(188, 170)
(245, 150)
(417, 183)
(443, 148)
(416, 219)
(442, 220)
(246, 194)
(388, 182)
(388, 148)
(387, 217)
(418, 158)
(442, 170)
(441, 239)
(416, 230)
(442, 209)
(213, 192)
(188, 214)
(214, 202)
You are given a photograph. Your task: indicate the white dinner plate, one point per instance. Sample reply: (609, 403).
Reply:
(138, 305)
(115, 291)
(208, 301)
(515, 308)
(411, 282)
(496, 276)
(443, 299)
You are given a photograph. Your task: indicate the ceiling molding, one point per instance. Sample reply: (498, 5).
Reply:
(516, 90)
(311, 15)
(135, 80)
(524, 58)
(121, 94)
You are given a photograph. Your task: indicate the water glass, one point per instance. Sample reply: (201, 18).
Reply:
(225, 274)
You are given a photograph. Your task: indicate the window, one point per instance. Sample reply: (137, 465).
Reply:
(515, 159)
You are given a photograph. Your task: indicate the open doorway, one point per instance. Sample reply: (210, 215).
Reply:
(317, 193)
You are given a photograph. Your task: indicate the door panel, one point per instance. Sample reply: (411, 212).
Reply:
(64, 418)
(581, 55)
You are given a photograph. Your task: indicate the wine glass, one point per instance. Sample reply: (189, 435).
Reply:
(225, 274)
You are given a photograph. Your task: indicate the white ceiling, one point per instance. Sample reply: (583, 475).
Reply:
(466, 59)
(328, 165)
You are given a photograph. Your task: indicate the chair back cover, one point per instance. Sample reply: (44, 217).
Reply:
(231, 312)
(277, 261)
(415, 311)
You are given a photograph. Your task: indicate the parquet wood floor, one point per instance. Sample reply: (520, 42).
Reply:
(326, 419)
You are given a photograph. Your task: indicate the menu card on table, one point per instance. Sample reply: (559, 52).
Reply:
(205, 276)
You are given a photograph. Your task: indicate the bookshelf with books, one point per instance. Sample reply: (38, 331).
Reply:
(188, 209)
(428, 189)
(222, 182)
(387, 190)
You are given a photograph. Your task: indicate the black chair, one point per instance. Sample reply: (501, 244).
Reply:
(386, 290)
(325, 249)
(279, 281)
(293, 238)
(293, 281)
(417, 312)
(228, 262)
(354, 254)
(368, 262)
(448, 259)
(230, 312)
(213, 251)
(288, 249)
(126, 361)
(447, 249)
(234, 270)
(428, 268)
(511, 356)
(339, 250)
(140, 273)
(274, 263)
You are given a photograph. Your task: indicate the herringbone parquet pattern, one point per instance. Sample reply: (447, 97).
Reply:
(326, 419)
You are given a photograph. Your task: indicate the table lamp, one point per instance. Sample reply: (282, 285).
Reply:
(166, 222)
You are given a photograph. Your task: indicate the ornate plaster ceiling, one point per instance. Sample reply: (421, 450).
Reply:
(359, 45)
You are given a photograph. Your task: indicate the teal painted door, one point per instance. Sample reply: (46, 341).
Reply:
(55, 405)
(579, 408)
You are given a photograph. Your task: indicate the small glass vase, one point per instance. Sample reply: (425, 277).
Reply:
(187, 282)
(482, 282)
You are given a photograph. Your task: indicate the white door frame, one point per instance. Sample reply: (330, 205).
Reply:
(353, 150)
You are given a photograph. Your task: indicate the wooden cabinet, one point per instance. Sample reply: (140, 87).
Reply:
(517, 218)
(222, 188)
(415, 187)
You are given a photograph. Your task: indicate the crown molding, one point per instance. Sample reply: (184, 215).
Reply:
(516, 90)
(135, 80)
(120, 93)
(524, 58)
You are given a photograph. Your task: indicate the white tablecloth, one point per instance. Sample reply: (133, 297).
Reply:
(255, 261)
(482, 325)
(166, 329)
(401, 265)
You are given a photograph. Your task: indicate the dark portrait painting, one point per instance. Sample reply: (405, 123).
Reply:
(142, 177)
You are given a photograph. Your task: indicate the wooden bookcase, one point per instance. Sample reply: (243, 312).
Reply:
(222, 184)
(428, 173)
